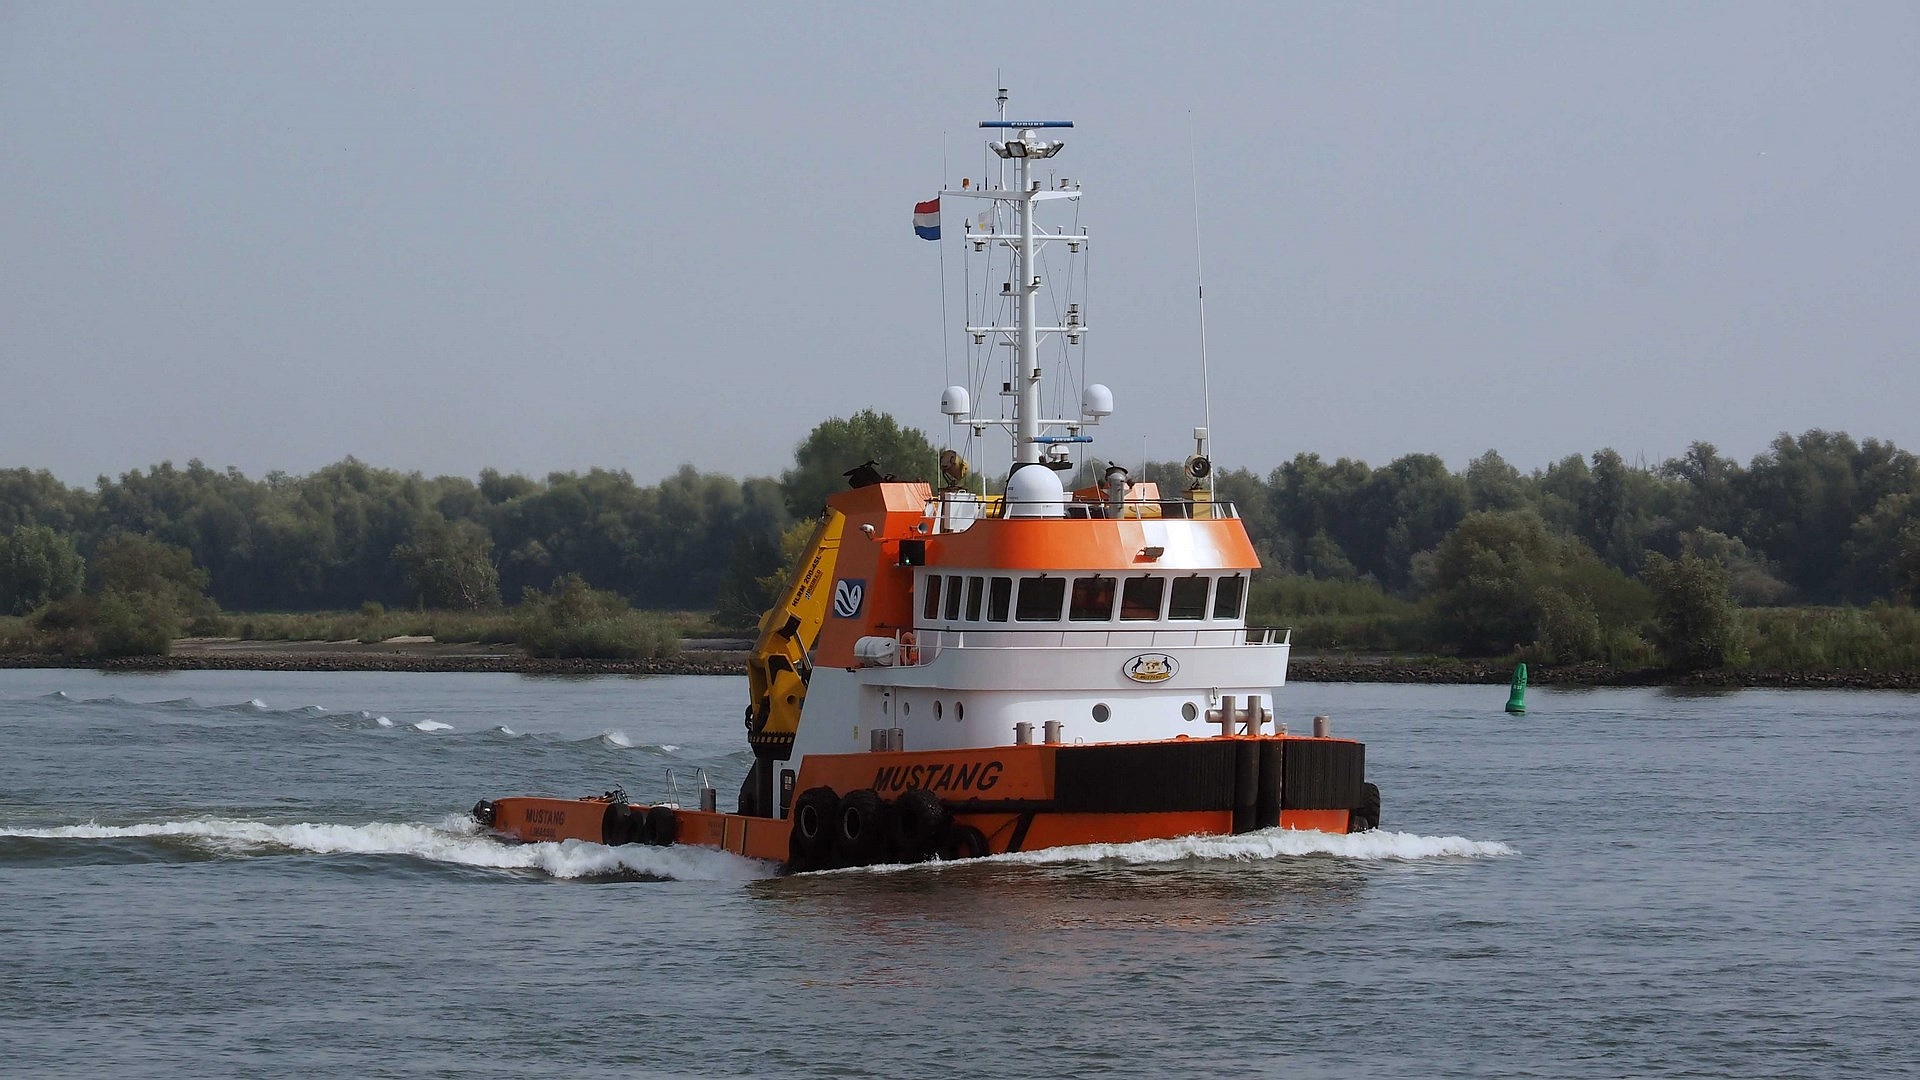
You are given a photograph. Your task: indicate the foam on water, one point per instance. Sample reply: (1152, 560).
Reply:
(616, 738)
(382, 721)
(456, 841)
(432, 725)
(254, 705)
(1377, 845)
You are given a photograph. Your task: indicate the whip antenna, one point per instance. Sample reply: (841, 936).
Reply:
(1200, 289)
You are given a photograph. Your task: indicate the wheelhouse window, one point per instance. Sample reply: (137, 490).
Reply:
(953, 597)
(1140, 598)
(973, 598)
(1040, 599)
(930, 610)
(1227, 599)
(1092, 599)
(1188, 599)
(999, 599)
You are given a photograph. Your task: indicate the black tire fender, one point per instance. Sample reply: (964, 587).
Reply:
(918, 821)
(963, 842)
(616, 825)
(860, 828)
(483, 812)
(1366, 816)
(662, 825)
(811, 838)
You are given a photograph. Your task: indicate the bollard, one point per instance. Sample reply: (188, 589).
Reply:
(1322, 727)
(1023, 733)
(1054, 730)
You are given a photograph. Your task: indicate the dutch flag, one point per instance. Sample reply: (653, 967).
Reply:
(926, 219)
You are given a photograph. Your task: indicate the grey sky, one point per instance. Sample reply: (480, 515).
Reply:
(442, 237)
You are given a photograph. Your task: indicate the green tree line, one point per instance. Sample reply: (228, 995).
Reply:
(1578, 555)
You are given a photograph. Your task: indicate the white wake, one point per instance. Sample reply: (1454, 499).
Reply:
(1377, 845)
(456, 841)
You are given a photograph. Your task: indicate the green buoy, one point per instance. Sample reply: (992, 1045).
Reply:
(1517, 695)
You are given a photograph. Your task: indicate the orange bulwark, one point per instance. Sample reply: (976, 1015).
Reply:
(910, 806)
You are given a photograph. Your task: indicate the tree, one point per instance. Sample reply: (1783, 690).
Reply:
(835, 446)
(1484, 575)
(131, 564)
(450, 565)
(1492, 484)
(37, 567)
(1906, 564)
(1696, 624)
(1501, 582)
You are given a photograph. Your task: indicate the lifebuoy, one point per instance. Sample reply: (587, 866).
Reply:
(909, 649)
(918, 819)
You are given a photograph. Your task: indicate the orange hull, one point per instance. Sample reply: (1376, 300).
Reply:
(906, 806)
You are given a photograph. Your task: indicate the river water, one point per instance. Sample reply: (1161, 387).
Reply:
(267, 874)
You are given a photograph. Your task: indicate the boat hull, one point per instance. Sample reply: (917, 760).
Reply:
(909, 806)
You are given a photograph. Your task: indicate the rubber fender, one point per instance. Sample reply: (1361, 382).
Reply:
(963, 842)
(811, 839)
(662, 826)
(917, 822)
(860, 828)
(483, 812)
(616, 825)
(1367, 815)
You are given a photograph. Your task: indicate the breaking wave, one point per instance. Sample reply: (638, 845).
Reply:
(432, 725)
(456, 841)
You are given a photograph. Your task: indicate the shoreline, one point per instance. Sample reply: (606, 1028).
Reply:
(412, 656)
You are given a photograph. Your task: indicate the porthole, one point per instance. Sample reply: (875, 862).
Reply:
(936, 710)
(1101, 713)
(959, 711)
(906, 708)
(1190, 711)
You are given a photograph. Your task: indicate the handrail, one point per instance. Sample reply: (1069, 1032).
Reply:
(1075, 509)
(928, 642)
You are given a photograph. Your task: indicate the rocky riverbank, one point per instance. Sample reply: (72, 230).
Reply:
(730, 659)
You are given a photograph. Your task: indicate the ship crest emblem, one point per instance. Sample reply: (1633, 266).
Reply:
(847, 596)
(1150, 667)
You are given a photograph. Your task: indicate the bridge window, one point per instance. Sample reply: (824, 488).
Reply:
(953, 597)
(1188, 600)
(1140, 598)
(931, 610)
(1040, 599)
(999, 598)
(973, 598)
(1226, 601)
(1092, 599)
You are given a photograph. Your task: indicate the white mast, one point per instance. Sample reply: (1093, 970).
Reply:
(1029, 427)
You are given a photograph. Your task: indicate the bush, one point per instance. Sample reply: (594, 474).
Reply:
(1882, 637)
(1281, 597)
(1696, 623)
(575, 620)
(114, 623)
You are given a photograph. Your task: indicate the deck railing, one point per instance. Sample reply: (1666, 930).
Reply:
(919, 647)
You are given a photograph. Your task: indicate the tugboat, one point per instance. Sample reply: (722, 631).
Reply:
(951, 674)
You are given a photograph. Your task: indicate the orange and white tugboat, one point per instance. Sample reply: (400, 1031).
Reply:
(950, 674)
